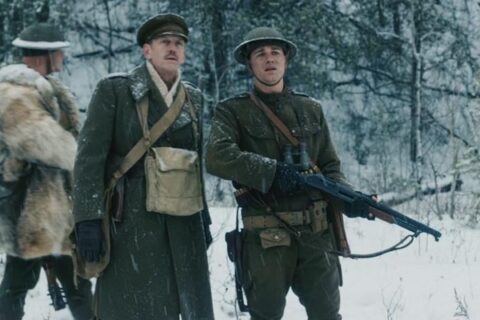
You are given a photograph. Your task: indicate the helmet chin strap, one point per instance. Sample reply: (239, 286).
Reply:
(262, 82)
(49, 63)
(266, 83)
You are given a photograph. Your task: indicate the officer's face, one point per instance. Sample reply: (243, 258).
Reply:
(165, 53)
(268, 64)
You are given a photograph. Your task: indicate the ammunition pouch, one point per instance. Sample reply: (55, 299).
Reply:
(314, 216)
(274, 237)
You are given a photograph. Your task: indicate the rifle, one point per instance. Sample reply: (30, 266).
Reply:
(54, 290)
(365, 206)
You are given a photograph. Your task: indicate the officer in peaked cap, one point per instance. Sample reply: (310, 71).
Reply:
(169, 278)
(162, 24)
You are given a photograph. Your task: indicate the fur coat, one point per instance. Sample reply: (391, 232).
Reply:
(38, 126)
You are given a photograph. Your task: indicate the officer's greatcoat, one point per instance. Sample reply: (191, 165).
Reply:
(38, 126)
(158, 266)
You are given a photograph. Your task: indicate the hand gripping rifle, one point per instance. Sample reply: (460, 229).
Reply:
(359, 204)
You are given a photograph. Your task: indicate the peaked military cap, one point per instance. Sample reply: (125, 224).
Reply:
(162, 24)
(41, 36)
(260, 36)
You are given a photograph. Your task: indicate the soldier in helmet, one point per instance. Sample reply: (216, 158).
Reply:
(285, 238)
(158, 263)
(38, 127)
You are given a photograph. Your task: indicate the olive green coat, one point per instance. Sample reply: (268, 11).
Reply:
(158, 266)
(244, 147)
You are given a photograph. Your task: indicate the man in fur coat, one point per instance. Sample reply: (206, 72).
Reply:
(158, 263)
(38, 127)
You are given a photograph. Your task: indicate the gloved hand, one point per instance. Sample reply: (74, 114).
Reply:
(287, 180)
(90, 240)
(359, 209)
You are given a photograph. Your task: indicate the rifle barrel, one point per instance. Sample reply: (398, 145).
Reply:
(347, 196)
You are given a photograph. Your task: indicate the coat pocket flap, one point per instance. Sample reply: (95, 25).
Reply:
(170, 159)
(274, 238)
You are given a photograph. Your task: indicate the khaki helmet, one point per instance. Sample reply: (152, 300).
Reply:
(162, 24)
(41, 38)
(260, 36)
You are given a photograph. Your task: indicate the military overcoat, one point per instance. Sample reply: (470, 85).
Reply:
(158, 265)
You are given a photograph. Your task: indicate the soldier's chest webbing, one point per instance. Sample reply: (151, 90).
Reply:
(290, 114)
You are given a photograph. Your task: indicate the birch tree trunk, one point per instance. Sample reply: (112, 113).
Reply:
(416, 155)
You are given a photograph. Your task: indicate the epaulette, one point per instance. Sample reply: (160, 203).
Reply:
(190, 84)
(191, 88)
(296, 93)
(116, 75)
(238, 96)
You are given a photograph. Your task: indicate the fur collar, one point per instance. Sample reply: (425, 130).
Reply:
(55, 97)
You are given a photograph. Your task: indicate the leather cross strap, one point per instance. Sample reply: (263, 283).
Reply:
(280, 126)
(149, 136)
(337, 216)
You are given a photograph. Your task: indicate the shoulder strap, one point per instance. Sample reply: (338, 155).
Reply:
(149, 136)
(279, 125)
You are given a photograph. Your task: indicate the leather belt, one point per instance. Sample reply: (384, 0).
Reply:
(315, 216)
(293, 218)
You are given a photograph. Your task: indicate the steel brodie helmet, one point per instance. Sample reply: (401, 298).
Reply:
(261, 36)
(40, 38)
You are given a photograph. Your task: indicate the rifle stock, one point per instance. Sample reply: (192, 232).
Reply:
(54, 290)
(347, 196)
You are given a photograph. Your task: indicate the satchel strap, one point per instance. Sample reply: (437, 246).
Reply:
(149, 136)
(280, 126)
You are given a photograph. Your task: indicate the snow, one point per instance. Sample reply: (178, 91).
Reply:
(427, 281)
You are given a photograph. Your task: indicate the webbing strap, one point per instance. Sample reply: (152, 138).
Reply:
(280, 126)
(149, 136)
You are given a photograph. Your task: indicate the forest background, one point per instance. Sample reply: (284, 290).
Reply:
(398, 79)
(399, 84)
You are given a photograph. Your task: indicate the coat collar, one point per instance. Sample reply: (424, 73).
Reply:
(140, 82)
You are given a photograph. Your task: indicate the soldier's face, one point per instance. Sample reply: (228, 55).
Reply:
(56, 60)
(268, 64)
(165, 53)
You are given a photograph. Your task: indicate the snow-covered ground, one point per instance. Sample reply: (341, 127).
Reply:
(427, 281)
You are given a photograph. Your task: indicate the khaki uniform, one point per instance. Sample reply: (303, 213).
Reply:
(158, 267)
(244, 147)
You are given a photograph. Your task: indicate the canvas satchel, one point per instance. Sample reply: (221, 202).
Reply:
(173, 177)
(173, 181)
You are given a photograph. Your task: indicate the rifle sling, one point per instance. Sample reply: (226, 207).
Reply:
(337, 216)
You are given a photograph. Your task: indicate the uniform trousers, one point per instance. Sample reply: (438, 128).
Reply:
(305, 266)
(22, 275)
